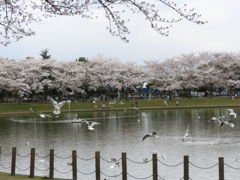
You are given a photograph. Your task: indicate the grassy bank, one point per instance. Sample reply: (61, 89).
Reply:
(145, 104)
(21, 177)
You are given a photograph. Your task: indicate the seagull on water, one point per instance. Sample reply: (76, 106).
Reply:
(186, 133)
(27, 143)
(57, 106)
(42, 115)
(153, 134)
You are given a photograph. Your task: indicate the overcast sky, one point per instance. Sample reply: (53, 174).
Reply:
(68, 38)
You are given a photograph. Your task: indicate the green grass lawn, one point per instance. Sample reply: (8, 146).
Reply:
(158, 103)
(21, 177)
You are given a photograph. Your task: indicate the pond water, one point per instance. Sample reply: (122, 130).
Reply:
(122, 131)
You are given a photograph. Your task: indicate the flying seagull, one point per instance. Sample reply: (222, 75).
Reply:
(221, 122)
(42, 115)
(57, 106)
(153, 134)
(217, 119)
(91, 124)
(230, 124)
(186, 133)
(232, 113)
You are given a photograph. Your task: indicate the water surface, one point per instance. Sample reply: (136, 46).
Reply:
(122, 131)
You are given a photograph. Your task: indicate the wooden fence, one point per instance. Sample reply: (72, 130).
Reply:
(124, 173)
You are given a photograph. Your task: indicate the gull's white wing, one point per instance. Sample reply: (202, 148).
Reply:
(220, 121)
(53, 102)
(235, 115)
(230, 110)
(94, 123)
(47, 115)
(60, 104)
(87, 122)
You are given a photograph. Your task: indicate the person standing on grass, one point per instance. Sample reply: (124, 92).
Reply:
(165, 103)
(177, 103)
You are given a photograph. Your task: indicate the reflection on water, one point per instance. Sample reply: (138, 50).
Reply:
(123, 132)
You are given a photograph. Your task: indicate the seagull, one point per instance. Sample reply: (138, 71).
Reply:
(232, 113)
(42, 161)
(57, 106)
(115, 163)
(145, 84)
(230, 124)
(153, 134)
(186, 133)
(70, 164)
(221, 122)
(91, 124)
(75, 117)
(216, 119)
(145, 160)
(42, 115)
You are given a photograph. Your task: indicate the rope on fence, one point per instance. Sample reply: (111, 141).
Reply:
(170, 165)
(5, 167)
(209, 167)
(38, 169)
(116, 175)
(231, 166)
(23, 156)
(110, 161)
(85, 159)
(139, 177)
(85, 173)
(183, 178)
(62, 172)
(159, 177)
(22, 169)
(139, 162)
(59, 157)
(42, 156)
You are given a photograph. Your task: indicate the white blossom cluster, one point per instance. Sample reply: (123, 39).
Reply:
(193, 72)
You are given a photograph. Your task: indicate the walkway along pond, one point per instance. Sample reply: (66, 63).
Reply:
(74, 166)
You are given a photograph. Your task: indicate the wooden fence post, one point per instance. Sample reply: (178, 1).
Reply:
(186, 168)
(97, 165)
(124, 166)
(74, 165)
(13, 166)
(51, 164)
(32, 163)
(221, 168)
(155, 166)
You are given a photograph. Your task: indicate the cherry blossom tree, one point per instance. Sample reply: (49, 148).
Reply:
(17, 15)
(202, 72)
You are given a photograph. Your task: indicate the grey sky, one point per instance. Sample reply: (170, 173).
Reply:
(68, 38)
